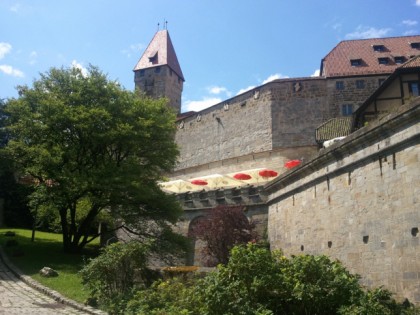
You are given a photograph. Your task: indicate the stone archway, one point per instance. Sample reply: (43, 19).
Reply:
(195, 256)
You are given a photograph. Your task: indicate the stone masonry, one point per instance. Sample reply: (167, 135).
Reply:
(358, 202)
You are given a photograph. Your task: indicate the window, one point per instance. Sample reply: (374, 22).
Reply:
(413, 88)
(399, 59)
(378, 48)
(383, 60)
(346, 109)
(360, 84)
(157, 70)
(339, 85)
(141, 73)
(415, 45)
(153, 58)
(356, 62)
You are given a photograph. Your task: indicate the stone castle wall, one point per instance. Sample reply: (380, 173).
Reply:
(298, 107)
(358, 202)
(237, 127)
(355, 90)
(263, 127)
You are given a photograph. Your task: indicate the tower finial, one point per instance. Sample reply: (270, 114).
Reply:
(158, 25)
(166, 25)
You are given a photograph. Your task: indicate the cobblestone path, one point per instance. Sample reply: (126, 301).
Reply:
(17, 297)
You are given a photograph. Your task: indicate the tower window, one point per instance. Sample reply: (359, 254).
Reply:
(383, 60)
(153, 58)
(378, 48)
(399, 59)
(157, 70)
(141, 73)
(339, 85)
(346, 109)
(356, 62)
(360, 84)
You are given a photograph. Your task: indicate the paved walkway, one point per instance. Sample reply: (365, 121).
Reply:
(19, 297)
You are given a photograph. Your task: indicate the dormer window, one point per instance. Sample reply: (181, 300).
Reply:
(356, 62)
(415, 45)
(153, 58)
(379, 48)
(383, 60)
(399, 59)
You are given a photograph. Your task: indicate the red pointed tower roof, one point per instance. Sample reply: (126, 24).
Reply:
(160, 52)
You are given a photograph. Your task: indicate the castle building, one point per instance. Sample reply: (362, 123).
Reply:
(356, 200)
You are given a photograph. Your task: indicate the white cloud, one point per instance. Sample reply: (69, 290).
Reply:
(245, 89)
(5, 48)
(418, 3)
(200, 105)
(363, 32)
(269, 79)
(316, 73)
(16, 7)
(32, 57)
(217, 89)
(410, 32)
(9, 70)
(79, 66)
(135, 49)
(409, 22)
(274, 77)
(337, 26)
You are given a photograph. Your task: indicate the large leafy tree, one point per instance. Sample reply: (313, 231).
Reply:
(90, 147)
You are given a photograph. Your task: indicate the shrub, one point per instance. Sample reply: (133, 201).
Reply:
(166, 297)
(379, 301)
(257, 281)
(112, 276)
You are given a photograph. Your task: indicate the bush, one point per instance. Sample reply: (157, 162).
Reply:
(166, 297)
(379, 302)
(256, 281)
(112, 276)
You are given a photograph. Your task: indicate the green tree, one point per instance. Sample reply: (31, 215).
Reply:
(90, 147)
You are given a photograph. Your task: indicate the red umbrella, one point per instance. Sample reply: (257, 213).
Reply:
(242, 176)
(292, 163)
(267, 173)
(199, 182)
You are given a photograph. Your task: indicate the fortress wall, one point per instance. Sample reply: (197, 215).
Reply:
(299, 106)
(237, 127)
(358, 202)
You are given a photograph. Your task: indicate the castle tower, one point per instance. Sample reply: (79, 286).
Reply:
(158, 72)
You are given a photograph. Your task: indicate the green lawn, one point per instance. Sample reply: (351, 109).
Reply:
(47, 251)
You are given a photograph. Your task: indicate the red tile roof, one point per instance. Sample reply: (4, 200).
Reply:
(412, 63)
(160, 52)
(338, 61)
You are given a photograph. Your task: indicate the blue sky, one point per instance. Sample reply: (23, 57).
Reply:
(223, 47)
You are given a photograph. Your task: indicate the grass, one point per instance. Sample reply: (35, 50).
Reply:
(47, 251)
